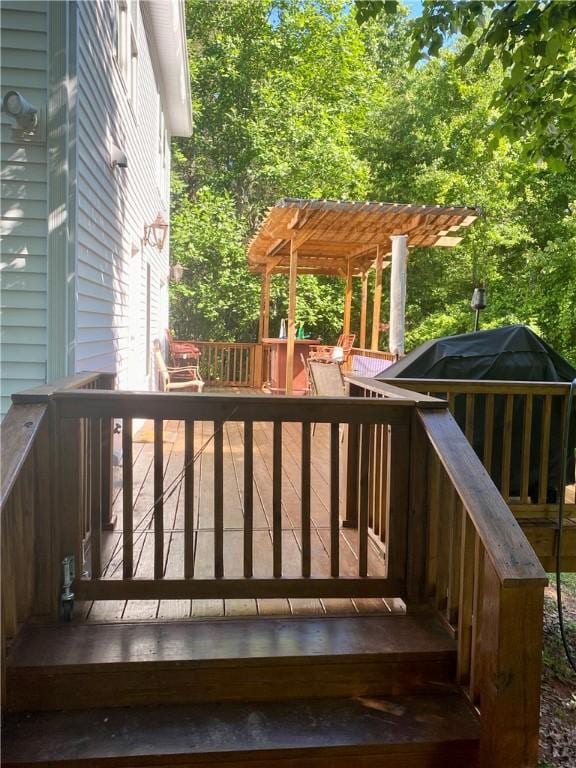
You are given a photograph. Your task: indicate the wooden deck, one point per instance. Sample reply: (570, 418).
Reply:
(233, 523)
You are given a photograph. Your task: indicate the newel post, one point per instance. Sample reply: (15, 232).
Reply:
(511, 667)
(67, 498)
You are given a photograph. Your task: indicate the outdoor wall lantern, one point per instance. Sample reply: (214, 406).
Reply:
(177, 272)
(155, 233)
(29, 121)
(478, 303)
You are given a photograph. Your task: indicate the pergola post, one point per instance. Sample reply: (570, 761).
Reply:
(291, 336)
(363, 310)
(348, 301)
(377, 300)
(398, 293)
(264, 326)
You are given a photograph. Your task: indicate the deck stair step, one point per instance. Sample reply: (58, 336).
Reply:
(93, 665)
(118, 665)
(425, 731)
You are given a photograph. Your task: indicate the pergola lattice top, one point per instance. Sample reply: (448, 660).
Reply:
(330, 235)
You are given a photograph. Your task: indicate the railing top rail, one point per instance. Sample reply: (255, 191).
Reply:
(373, 353)
(514, 560)
(44, 392)
(494, 387)
(238, 407)
(231, 344)
(395, 392)
(19, 429)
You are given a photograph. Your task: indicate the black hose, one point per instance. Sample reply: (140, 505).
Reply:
(564, 461)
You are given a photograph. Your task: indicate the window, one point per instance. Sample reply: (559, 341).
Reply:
(126, 46)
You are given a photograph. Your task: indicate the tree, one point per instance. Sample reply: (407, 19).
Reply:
(534, 41)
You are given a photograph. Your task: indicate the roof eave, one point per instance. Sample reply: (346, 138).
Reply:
(167, 25)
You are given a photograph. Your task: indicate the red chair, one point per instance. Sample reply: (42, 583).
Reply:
(182, 353)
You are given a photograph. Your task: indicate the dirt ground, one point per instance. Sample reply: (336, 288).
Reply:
(558, 703)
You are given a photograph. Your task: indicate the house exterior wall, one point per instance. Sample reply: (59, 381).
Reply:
(80, 291)
(24, 226)
(114, 270)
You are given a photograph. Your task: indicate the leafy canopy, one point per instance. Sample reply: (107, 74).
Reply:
(534, 41)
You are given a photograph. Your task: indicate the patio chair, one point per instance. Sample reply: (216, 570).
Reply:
(181, 353)
(181, 377)
(339, 353)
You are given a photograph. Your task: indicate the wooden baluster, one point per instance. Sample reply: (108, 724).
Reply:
(363, 502)
(454, 560)
(188, 499)
(305, 499)
(248, 498)
(544, 450)
(434, 532)
(158, 499)
(218, 499)
(475, 670)
(451, 397)
(417, 532)
(277, 499)
(526, 445)
(108, 519)
(511, 664)
(371, 475)
(466, 600)
(335, 500)
(127, 501)
(507, 446)
(488, 432)
(469, 424)
(384, 483)
(446, 497)
(352, 476)
(95, 499)
(399, 499)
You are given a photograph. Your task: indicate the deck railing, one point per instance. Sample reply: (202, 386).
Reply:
(469, 558)
(229, 364)
(225, 581)
(31, 571)
(413, 482)
(511, 427)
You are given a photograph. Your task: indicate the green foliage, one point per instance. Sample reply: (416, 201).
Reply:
(535, 43)
(294, 98)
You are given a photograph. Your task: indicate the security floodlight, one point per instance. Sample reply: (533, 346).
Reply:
(24, 114)
(118, 158)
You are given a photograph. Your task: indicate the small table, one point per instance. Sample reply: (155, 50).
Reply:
(277, 364)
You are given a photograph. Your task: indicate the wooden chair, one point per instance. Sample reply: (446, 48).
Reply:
(181, 377)
(182, 353)
(327, 354)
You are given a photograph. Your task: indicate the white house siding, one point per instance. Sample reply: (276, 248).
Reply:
(114, 205)
(23, 259)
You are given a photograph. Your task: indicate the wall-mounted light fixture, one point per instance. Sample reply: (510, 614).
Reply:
(177, 272)
(29, 121)
(118, 158)
(478, 303)
(155, 233)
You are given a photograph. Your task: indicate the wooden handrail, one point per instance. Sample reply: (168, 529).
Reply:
(511, 555)
(387, 390)
(486, 386)
(222, 407)
(44, 392)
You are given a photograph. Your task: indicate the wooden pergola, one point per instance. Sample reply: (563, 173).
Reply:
(348, 239)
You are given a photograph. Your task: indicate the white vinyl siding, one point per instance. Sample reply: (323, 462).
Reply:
(23, 281)
(114, 206)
